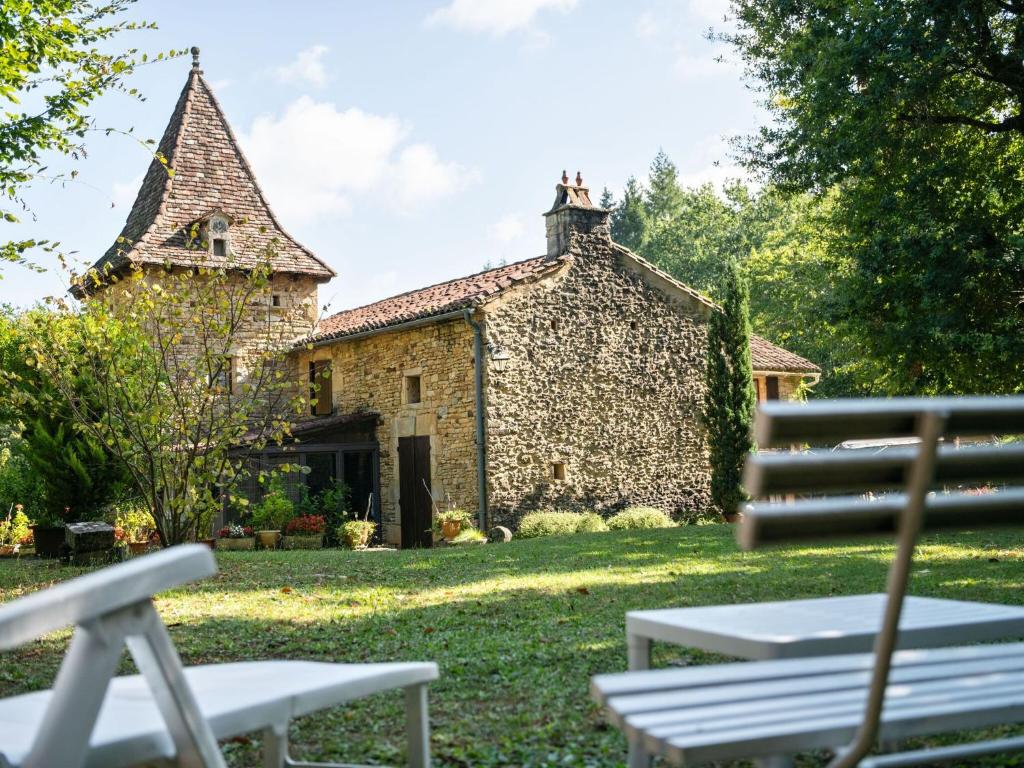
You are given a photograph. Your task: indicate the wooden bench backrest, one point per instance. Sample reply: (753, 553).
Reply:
(842, 484)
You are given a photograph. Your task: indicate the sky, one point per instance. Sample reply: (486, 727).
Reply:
(413, 141)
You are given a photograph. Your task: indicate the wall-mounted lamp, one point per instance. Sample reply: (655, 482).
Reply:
(499, 358)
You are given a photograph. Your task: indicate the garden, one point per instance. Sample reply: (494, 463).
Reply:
(517, 630)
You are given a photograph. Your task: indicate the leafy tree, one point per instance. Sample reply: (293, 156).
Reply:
(192, 378)
(55, 60)
(729, 397)
(913, 112)
(76, 474)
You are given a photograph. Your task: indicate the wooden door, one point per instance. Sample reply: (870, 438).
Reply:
(414, 501)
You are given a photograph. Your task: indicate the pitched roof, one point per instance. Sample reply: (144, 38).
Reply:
(465, 292)
(208, 172)
(461, 293)
(766, 356)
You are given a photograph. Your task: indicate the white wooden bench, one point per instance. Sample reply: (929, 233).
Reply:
(848, 703)
(168, 713)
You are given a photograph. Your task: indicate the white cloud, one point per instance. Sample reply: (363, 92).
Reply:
(508, 228)
(647, 26)
(498, 17)
(314, 159)
(710, 62)
(307, 67)
(711, 164)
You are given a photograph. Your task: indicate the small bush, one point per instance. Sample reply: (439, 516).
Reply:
(469, 536)
(557, 523)
(591, 522)
(633, 518)
(548, 524)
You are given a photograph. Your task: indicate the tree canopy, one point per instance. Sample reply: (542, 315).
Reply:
(912, 113)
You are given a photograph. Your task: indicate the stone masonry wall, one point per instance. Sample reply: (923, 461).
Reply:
(370, 372)
(606, 376)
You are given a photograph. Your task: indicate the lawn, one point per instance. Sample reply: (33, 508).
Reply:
(517, 629)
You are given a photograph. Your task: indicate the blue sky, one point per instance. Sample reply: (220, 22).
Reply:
(410, 142)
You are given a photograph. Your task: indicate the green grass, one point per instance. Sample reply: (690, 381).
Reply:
(517, 629)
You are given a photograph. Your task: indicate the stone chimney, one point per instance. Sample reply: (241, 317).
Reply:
(573, 211)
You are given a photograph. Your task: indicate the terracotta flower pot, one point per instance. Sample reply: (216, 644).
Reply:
(451, 528)
(6, 550)
(268, 539)
(211, 543)
(138, 547)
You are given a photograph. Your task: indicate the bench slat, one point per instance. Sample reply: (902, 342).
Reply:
(766, 523)
(830, 472)
(831, 422)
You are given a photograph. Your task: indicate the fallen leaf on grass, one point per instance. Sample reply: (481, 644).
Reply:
(583, 590)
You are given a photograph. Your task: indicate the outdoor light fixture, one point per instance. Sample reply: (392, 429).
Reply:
(499, 358)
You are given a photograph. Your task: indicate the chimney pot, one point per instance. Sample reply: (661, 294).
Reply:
(579, 179)
(565, 177)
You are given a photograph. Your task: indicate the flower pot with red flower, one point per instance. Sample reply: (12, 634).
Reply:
(305, 532)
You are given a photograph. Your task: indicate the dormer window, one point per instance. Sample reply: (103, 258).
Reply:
(217, 235)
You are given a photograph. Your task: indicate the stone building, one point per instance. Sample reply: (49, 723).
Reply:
(571, 379)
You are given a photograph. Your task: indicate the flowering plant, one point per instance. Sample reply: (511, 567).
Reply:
(306, 525)
(234, 532)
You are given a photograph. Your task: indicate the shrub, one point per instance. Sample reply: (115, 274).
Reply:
(306, 525)
(274, 511)
(356, 533)
(559, 523)
(633, 518)
(14, 528)
(234, 532)
(469, 536)
(135, 520)
(591, 522)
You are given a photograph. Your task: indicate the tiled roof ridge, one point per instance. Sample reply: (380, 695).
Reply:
(481, 273)
(244, 161)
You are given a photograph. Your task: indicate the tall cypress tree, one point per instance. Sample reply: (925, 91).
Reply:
(629, 219)
(729, 400)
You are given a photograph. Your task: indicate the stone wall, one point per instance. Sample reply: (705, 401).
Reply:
(370, 373)
(789, 385)
(606, 378)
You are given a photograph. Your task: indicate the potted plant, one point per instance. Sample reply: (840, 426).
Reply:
(272, 514)
(305, 532)
(235, 538)
(136, 524)
(452, 521)
(13, 530)
(355, 534)
(48, 533)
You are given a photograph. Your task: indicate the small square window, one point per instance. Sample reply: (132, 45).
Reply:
(220, 246)
(412, 389)
(558, 471)
(554, 324)
(275, 300)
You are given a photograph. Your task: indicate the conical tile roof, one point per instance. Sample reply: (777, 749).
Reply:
(206, 172)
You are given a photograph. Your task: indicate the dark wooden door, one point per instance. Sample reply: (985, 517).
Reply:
(414, 502)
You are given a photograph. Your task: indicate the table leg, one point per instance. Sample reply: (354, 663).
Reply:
(639, 655)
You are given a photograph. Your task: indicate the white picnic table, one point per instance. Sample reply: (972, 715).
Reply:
(818, 627)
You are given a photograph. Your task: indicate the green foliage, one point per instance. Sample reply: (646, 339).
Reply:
(14, 527)
(56, 59)
(591, 522)
(912, 113)
(640, 518)
(729, 396)
(469, 536)
(134, 519)
(557, 523)
(274, 510)
(454, 515)
(155, 350)
(355, 533)
(19, 484)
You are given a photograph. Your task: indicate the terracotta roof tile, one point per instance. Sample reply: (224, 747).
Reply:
(766, 356)
(209, 173)
(434, 300)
